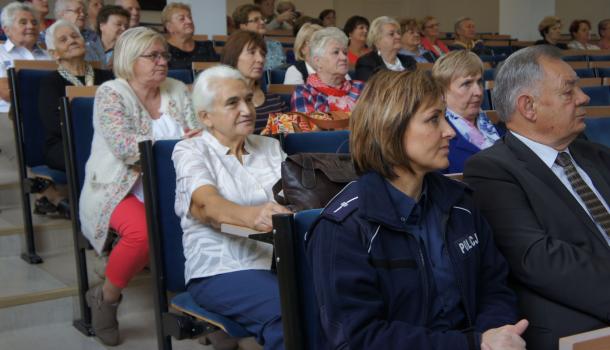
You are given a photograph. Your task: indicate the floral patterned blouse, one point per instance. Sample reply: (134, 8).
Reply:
(120, 122)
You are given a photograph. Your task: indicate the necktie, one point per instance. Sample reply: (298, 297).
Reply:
(593, 204)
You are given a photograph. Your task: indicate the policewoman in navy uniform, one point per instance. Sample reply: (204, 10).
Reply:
(401, 259)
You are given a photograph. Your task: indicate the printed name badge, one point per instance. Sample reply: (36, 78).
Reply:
(465, 244)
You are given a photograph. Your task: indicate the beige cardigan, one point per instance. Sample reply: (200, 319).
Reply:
(119, 123)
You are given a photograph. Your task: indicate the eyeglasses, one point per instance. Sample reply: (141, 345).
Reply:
(156, 56)
(255, 20)
(432, 25)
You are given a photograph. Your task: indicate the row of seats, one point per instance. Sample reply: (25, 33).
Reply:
(165, 234)
(168, 263)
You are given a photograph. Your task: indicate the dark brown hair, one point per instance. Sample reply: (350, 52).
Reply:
(236, 43)
(576, 25)
(241, 13)
(106, 12)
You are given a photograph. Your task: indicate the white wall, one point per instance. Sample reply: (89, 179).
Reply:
(209, 15)
(520, 18)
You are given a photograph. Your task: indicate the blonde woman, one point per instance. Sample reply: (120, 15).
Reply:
(140, 104)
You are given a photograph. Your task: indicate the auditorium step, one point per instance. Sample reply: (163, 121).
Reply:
(48, 324)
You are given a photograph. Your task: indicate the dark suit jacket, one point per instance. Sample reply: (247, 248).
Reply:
(560, 262)
(369, 64)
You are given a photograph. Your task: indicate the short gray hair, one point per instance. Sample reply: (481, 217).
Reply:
(458, 23)
(131, 44)
(9, 11)
(374, 34)
(206, 87)
(61, 5)
(49, 36)
(520, 71)
(320, 39)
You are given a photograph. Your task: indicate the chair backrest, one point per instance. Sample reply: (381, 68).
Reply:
(160, 187)
(184, 75)
(577, 64)
(603, 72)
(598, 124)
(600, 95)
(26, 84)
(600, 64)
(575, 58)
(300, 317)
(281, 89)
(316, 142)
(487, 103)
(81, 111)
(582, 82)
(80, 91)
(200, 37)
(585, 72)
(276, 76)
(200, 66)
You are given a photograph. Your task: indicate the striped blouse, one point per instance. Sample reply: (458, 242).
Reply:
(273, 104)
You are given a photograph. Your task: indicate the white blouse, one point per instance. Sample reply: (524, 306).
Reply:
(164, 128)
(204, 161)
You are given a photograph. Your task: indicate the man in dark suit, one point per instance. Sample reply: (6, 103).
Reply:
(545, 193)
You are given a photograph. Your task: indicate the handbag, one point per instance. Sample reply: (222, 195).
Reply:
(311, 180)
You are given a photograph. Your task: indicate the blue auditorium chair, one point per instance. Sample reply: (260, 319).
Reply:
(166, 254)
(603, 72)
(489, 74)
(77, 134)
(585, 72)
(276, 75)
(596, 58)
(598, 130)
(600, 95)
(29, 143)
(486, 105)
(574, 58)
(300, 318)
(290, 57)
(316, 142)
(184, 75)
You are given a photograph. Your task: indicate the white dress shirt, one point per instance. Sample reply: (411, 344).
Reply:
(8, 53)
(548, 155)
(204, 161)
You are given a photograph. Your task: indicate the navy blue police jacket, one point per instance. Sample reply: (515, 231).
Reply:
(371, 281)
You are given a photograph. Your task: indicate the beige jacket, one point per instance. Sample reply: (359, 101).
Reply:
(119, 123)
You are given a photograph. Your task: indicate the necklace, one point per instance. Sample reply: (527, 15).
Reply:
(89, 75)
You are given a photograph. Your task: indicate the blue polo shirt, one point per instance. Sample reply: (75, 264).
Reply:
(423, 219)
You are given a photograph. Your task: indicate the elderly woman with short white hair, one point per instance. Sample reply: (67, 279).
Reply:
(142, 103)
(327, 90)
(67, 47)
(225, 176)
(75, 11)
(21, 28)
(385, 40)
(300, 70)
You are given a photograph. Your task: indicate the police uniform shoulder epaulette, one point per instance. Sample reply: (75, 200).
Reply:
(343, 204)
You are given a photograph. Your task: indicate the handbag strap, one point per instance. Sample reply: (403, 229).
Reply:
(308, 173)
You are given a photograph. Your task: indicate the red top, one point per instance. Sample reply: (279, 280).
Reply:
(430, 47)
(352, 57)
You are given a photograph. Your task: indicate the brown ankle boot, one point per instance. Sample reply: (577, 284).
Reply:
(103, 317)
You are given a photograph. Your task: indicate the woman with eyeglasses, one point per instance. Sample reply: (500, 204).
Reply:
(250, 17)
(430, 37)
(142, 103)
